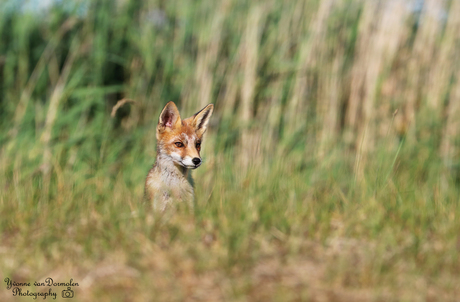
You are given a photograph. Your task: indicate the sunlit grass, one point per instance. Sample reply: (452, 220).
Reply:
(312, 187)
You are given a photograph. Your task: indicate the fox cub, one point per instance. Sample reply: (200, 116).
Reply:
(178, 150)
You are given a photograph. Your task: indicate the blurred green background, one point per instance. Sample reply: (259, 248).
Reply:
(331, 163)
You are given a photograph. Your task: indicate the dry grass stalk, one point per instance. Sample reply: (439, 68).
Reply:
(56, 97)
(249, 59)
(119, 104)
(271, 114)
(229, 95)
(330, 105)
(449, 146)
(379, 40)
(421, 60)
(442, 67)
(359, 67)
(209, 46)
(309, 52)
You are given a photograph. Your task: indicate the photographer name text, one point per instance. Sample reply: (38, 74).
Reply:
(17, 288)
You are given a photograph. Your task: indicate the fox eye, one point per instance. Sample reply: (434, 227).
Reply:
(198, 146)
(179, 144)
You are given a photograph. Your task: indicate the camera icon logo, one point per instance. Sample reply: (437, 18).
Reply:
(67, 293)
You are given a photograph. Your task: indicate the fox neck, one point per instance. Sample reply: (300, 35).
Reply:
(165, 163)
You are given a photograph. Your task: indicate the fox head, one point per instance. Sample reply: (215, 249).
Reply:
(181, 139)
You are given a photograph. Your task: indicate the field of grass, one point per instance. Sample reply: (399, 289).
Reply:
(331, 163)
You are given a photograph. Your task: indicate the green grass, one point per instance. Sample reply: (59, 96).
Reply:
(295, 201)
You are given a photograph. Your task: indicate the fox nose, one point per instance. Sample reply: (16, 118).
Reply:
(196, 161)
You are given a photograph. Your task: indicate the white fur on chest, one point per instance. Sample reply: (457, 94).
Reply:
(166, 183)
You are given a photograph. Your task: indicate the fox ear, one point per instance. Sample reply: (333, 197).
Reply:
(201, 119)
(169, 117)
